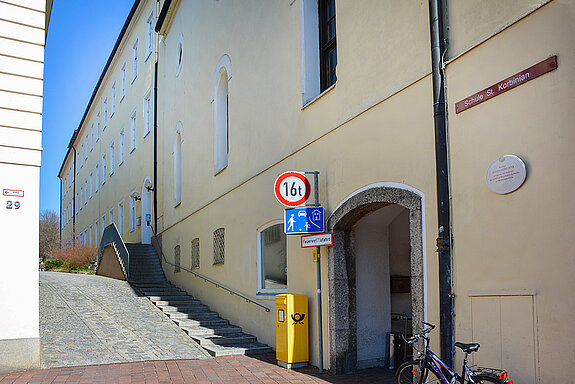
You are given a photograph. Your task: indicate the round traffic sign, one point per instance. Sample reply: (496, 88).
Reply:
(292, 189)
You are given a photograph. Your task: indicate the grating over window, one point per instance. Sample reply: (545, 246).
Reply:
(219, 246)
(177, 258)
(196, 253)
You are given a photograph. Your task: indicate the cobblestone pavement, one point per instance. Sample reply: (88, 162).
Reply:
(230, 369)
(89, 319)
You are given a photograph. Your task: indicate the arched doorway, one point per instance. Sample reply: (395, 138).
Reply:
(146, 232)
(378, 237)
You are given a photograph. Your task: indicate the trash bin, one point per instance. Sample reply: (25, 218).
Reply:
(394, 350)
(292, 345)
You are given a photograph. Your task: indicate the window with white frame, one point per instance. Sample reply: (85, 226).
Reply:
(97, 127)
(113, 99)
(112, 158)
(91, 184)
(103, 169)
(221, 118)
(177, 258)
(135, 60)
(272, 258)
(195, 253)
(111, 215)
(78, 157)
(132, 213)
(219, 246)
(121, 141)
(178, 167)
(85, 191)
(90, 234)
(82, 155)
(147, 113)
(103, 223)
(96, 233)
(105, 112)
(86, 149)
(133, 127)
(123, 82)
(91, 137)
(149, 34)
(96, 178)
(81, 197)
(78, 205)
(121, 217)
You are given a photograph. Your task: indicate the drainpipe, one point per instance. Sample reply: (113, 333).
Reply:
(60, 242)
(155, 190)
(74, 202)
(437, 13)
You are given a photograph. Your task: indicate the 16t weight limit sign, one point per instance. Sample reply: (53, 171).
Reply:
(292, 189)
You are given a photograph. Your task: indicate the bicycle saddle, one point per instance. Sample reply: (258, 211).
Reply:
(467, 348)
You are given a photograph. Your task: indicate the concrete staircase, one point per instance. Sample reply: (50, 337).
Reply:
(216, 335)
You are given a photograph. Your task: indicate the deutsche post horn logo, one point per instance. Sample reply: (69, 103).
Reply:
(298, 318)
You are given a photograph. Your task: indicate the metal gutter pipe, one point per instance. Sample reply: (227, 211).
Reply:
(437, 13)
(74, 203)
(155, 190)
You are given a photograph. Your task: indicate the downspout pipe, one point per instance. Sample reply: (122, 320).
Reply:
(74, 203)
(437, 13)
(155, 191)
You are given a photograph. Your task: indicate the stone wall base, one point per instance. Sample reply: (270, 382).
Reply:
(19, 354)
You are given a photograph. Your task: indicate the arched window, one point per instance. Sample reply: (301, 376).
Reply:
(178, 165)
(272, 258)
(221, 118)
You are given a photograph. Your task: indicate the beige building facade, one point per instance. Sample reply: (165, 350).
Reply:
(248, 90)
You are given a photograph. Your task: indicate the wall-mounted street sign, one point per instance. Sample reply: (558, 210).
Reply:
(506, 174)
(319, 240)
(292, 189)
(505, 85)
(298, 221)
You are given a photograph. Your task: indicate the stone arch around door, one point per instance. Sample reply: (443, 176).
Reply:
(341, 264)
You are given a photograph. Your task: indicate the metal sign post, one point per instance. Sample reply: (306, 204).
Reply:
(318, 250)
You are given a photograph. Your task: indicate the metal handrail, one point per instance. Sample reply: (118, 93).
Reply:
(206, 279)
(111, 236)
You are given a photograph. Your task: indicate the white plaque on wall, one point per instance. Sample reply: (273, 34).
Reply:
(506, 174)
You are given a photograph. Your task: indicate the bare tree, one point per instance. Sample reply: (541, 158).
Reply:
(49, 234)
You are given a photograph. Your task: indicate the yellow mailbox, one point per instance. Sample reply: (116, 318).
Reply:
(292, 347)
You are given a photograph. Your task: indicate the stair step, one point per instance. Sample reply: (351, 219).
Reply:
(187, 308)
(215, 331)
(193, 315)
(240, 349)
(216, 322)
(176, 301)
(170, 297)
(224, 340)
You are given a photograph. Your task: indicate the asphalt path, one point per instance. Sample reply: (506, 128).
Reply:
(90, 320)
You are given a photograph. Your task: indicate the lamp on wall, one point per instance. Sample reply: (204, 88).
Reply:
(148, 185)
(136, 196)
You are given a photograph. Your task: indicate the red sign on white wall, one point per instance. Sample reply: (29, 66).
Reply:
(13, 192)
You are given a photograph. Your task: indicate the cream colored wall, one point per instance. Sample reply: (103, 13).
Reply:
(137, 164)
(519, 245)
(342, 134)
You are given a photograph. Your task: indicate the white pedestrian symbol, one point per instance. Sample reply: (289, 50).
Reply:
(291, 222)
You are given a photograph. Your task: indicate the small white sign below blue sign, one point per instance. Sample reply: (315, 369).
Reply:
(298, 221)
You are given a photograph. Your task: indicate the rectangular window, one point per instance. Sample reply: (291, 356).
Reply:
(112, 158)
(196, 253)
(121, 218)
(132, 212)
(177, 258)
(123, 82)
(97, 127)
(81, 156)
(86, 149)
(90, 235)
(149, 34)
(133, 127)
(147, 113)
(113, 100)
(327, 41)
(103, 223)
(81, 197)
(111, 215)
(78, 205)
(91, 184)
(85, 192)
(103, 169)
(91, 137)
(97, 178)
(121, 147)
(272, 261)
(105, 120)
(219, 246)
(96, 233)
(135, 60)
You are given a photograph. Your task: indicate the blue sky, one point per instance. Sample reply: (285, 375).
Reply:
(81, 36)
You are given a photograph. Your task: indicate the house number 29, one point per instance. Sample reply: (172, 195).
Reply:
(10, 204)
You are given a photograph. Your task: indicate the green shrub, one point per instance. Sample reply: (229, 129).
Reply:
(52, 263)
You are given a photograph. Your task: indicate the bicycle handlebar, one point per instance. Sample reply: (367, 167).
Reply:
(423, 334)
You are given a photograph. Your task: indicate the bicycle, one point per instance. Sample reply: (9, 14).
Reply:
(430, 369)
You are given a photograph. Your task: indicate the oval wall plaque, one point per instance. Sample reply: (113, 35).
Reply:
(506, 174)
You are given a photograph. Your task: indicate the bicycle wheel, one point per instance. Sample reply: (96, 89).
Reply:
(411, 372)
(485, 379)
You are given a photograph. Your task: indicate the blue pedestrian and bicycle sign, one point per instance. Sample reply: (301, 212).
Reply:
(304, 220)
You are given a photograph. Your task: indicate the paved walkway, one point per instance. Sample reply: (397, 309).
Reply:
(89, 319)
(98, 330)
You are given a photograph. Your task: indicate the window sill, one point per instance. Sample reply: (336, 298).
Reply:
(318, 96)
(270, 295)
